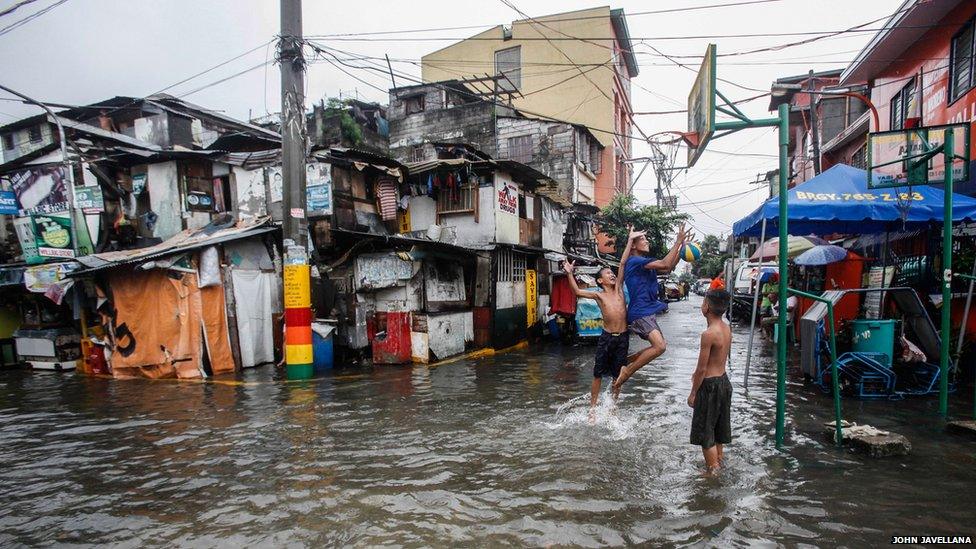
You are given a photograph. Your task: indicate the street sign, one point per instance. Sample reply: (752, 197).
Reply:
(669, 202)
(898, 158)
(701, 107)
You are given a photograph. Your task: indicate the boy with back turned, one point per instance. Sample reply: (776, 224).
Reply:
(612, 347)
(711, 390)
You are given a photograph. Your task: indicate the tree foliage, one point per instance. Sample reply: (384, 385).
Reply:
(350, 130)
(712, 258)
(624, 211)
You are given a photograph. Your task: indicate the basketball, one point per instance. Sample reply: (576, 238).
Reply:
(690, 252)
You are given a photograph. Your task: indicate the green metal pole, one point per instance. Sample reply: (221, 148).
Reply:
(835, 381)
(947, 148)
(784, 177)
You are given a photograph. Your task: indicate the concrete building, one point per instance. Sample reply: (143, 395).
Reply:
(585, 82)
(425, 118)
(923, 55)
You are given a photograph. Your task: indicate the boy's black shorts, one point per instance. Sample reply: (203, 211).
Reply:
(711, 423)
(611, 354)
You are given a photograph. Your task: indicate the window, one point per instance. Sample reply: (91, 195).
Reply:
(523, 211)
(508, 64)
(833, 117)
(961, 61)
(414, 104)
(518, 267)
(596, 157)
(855, 108)
(511, 265)
(8, 141)
(520, 148)
(504, 265)
(34, 134)
(460, 200)
(899, 106)
(860, 158)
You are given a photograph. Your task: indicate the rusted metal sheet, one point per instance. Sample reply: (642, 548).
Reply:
(482, 326)
(391, 344)
(444, 283)
(381, 270)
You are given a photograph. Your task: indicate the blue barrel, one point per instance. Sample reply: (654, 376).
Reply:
(322, 351)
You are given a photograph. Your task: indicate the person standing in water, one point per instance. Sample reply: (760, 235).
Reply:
(611, 349)
(711, 390)
(640, 274)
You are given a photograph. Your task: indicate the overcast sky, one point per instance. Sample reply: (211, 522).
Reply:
(83, 51)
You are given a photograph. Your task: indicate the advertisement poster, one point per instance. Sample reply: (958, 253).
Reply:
(28, 244)
(8, 203)
(89, 199)
(138, 183)
(41, 190)
(318, 190)
(53, 236)
(508, 198)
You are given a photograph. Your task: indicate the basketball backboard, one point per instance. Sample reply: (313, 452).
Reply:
(890, 162)
(701, 107)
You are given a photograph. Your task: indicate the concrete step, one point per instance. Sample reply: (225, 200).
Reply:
(870, 441)
(963, 427)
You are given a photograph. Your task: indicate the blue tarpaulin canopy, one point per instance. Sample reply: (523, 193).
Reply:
(839, 201)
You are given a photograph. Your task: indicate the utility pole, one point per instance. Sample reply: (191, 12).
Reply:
(814, 125)
(294, 150)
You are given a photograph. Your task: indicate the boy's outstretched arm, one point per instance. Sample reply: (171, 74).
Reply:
(568, 267)
(668, 262)
(699, 375)
(622, 268)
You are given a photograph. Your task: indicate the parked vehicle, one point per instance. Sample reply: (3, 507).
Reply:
(700, 287)
(743, 288)
(672, 290)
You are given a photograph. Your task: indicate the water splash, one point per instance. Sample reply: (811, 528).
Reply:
(606, 418)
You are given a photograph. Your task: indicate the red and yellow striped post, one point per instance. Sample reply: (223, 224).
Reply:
(298, 322)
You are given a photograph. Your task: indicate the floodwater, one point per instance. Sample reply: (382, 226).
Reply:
(489, 452)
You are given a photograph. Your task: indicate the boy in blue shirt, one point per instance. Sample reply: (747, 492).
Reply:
(640, 275)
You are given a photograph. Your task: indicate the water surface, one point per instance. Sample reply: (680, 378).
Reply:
(490, 452)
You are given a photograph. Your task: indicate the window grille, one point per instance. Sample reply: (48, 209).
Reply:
(461, 200)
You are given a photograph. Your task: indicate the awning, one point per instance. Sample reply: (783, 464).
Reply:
(839, 201)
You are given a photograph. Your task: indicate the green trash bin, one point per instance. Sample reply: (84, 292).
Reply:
(874, 336)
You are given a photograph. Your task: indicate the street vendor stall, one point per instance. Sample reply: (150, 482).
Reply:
(839, 200)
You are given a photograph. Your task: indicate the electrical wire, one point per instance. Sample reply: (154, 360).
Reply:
(13, 8)
(560, 20)
(17, 24)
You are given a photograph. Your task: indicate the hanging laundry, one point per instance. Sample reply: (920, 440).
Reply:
(450, 184)
(430, 184)
(386, 196)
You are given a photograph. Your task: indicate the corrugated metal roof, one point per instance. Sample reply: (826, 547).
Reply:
(183, 242)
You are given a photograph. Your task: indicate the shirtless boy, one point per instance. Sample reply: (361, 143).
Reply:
(611, 349)
(711, 390)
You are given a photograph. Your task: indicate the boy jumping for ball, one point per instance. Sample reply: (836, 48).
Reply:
(641, 275)
(711, 390)
(611, 349)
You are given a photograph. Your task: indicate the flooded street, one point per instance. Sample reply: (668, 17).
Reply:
(495, 451)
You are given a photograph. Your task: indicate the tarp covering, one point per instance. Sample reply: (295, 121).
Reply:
(839, 201)
(254, 299)
(167, 335)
